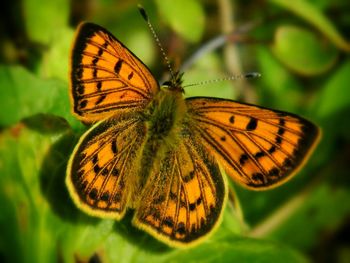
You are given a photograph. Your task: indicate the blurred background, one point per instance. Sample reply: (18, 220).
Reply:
(301, 49)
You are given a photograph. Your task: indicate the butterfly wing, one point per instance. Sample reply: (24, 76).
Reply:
(101, 170)
(106, 76)
(260, 148)
(184, 195)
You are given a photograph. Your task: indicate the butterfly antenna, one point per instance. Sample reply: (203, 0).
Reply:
(145, 17)
(249, 75)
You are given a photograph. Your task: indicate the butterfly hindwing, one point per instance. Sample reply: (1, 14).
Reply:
(260, 148)
(101, 173)
(184, 195)
(106, 76)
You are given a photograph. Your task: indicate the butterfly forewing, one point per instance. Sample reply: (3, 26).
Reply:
(184, 195)
(259, 147)
(99, 171)
(106, 76)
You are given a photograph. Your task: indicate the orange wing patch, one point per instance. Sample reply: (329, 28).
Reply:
(106, 76)
(184, 195)
(99, 171)
(258, 147)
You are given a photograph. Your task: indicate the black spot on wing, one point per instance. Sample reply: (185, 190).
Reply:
(274, 172)
(99, 85)
(100, 99)
(188, 177)
(272, 149)
(115, 171)
(192, 206)
(281, 129)
(105, 196)
(93, 194)
(97, 168)
(181, 228)
(278, 140)
(252, 124)
(232, 119)
(83, 104)
(243, 159)
(104, 172)
(130, 75)
(168, 221)
(114, 146)
(258, 177)
(118, 66)
(94, 61)
(259, 154)
(94, 159)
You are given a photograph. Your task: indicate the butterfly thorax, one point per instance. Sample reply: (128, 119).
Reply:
(165, 114)
(166, 111)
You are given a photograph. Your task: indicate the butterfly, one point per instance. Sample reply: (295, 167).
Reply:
(152, 150)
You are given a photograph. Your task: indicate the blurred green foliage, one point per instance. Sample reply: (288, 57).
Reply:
(300, 47)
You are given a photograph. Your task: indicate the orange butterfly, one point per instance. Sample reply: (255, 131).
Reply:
(154, 151)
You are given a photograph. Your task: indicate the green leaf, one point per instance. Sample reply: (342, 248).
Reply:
(233, 249)
(324, 207)
(309, 13)
(24, 95)
(56, 59)
(186, 17)
(277, 82)
(301, 51)
(335, 94)
(27, 222)
(43, 19)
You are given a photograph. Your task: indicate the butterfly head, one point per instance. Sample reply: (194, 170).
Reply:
(175, 83)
